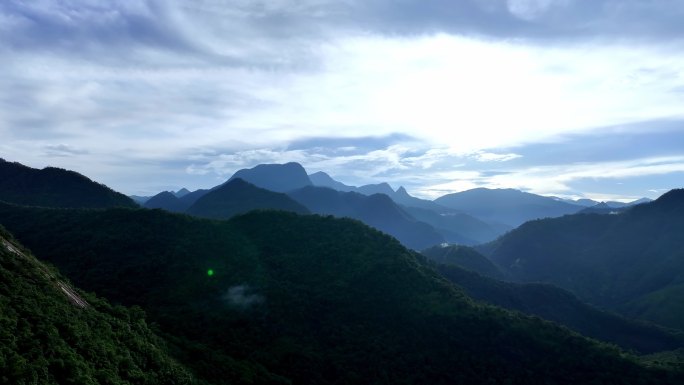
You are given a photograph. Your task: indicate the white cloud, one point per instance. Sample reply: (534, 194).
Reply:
(216, 74)
(556, 180)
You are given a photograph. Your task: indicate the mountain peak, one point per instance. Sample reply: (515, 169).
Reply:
(379, 188)
(401, 191)
(275, 177)
(181, 193)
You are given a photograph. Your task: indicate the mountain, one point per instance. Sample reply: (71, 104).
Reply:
(275, 177)
(558, 305)
(168, 201)
(632, 262)
(459, 228)
(55, 187)
(181, 193)
(602, 208)
(464, 257)
(238, 197)
(273, 297)
(454, 226)
(377, 210)
(507, 206)
(140, 200)
(322, 179)
(402, 197)
(190, 198)
(379, 188)
(53, 333)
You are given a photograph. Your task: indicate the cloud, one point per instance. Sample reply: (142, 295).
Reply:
(558, 180)
(483, 156)
(242, 296)
(192, 91)
(59, 150)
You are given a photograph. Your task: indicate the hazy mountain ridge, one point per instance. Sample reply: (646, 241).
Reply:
(508, 206)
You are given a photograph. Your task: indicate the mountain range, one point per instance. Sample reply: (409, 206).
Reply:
(632, 262)
(307, 299)
(277, 297)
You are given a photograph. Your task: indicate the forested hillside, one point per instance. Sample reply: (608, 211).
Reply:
(51, 333)
(275, 297)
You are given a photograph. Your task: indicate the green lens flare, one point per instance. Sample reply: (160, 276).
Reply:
(210, 272)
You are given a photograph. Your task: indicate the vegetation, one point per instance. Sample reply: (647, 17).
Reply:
(55, 187)
(45, 338)
(631, 262)
(308, 300)
(464, 257)
(555, 304)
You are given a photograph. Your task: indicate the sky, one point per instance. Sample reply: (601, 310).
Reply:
(571, 98)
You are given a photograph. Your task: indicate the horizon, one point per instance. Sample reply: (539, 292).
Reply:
(553, 97)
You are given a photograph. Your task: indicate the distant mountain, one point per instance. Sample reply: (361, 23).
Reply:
(190, 198)
(603, 208)
(238, 197)
(379, 188)
(322, 179)
(53, 333)
(275, 177)
(181, 193)
(273, 297)
(139, 199)
(168, 201)
(402, 197)
(583, 202)
(458, 227)
(55, 187)
(377, 210)
(507, 206)
(632, 262)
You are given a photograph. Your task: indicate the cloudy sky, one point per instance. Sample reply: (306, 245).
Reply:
(573, 98)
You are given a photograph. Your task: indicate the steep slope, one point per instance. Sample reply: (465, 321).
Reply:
(53, 334)
(310, 300)
(508, 206)
(55, 187)
(238, 197)
(609, 260)
(275, 177)
(558, 305)
(168, 201)
(377, 210)
(463, 257)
